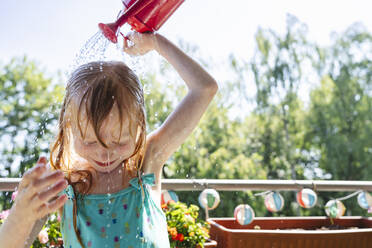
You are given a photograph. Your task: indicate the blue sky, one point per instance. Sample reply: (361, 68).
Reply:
(52, 32)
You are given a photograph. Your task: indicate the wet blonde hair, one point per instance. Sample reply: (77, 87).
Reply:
(95, 88)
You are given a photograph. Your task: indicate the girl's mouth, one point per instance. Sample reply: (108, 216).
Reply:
(104, 164)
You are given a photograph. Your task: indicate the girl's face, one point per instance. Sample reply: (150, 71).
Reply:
(118, 148)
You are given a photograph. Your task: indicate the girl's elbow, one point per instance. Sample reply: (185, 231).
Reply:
(212, 87)
(208, 88)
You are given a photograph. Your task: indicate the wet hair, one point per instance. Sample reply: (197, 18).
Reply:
(96, 88)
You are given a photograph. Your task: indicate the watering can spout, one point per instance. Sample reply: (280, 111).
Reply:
(142, 15)
(109, 30)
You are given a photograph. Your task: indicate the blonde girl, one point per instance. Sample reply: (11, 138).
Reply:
(105, 175)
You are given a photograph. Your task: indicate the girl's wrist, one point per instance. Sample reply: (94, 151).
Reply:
(16, 224)
(156, 40)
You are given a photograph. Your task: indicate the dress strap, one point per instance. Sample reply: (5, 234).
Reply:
(69, 191)
(148, 179)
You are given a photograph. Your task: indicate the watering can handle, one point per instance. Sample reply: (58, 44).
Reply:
(131, 11)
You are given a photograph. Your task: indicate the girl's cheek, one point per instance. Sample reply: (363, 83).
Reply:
(120, 150)
(80, 148)
(129, 149)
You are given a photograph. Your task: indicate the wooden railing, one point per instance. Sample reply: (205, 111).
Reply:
(9, 184)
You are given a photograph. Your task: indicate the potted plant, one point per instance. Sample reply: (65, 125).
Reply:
(185, 229)
(288, 232)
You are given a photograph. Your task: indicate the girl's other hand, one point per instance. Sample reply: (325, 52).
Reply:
(38, 190)
(141, 43)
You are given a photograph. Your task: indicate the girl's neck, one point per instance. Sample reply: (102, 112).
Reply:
(111, 182)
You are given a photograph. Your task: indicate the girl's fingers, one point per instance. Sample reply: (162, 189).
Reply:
(58, 203)
(34, 172)
(131, 35)
(130, 49)
(53, 206)
(41, 183)
(42, 160)
(125, 42)
(47, 195)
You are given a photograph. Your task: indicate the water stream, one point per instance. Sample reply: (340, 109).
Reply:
(99, 48)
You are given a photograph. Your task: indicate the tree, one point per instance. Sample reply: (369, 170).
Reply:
(278, 67)
(339, 120)
(28, 112)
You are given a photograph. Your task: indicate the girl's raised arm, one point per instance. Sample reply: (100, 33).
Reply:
(182, 121)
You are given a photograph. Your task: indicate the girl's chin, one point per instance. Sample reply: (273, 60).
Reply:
(106, 169)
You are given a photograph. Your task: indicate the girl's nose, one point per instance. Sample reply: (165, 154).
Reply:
(104, 154)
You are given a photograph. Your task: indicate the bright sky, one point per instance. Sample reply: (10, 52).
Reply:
(52, 32)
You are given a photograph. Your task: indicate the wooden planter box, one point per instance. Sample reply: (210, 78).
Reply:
(230, 234)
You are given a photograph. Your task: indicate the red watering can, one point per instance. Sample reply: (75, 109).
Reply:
(142, 15)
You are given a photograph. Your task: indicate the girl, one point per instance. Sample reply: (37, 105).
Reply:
(110, 194)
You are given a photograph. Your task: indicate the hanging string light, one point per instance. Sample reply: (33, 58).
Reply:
(244, 214)
(306, 198)
(167, 195)
(209, 200)
(335, 209)
(365, 200)
(274, 202)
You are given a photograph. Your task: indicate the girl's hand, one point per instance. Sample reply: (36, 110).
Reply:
(37, 192)
(141, 43)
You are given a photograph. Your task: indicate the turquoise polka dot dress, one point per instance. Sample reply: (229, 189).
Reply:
(116, 220)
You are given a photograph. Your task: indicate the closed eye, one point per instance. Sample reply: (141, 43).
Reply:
(90, 142)
(120, 144)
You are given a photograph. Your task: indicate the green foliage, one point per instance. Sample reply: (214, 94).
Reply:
(52, 227)
(339, 119)
(185, 229)
(158, 105)
(278, 72)
(28, 112)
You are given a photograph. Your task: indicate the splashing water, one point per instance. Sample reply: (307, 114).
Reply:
(94, 49)
(99, 48)
(110, 179)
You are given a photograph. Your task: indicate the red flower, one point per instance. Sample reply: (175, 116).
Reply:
(175, 237)
(180, 237)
